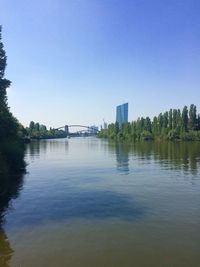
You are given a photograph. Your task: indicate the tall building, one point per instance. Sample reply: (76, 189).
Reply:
(122, 114)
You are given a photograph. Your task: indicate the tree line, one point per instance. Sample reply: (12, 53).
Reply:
(40, 131)
(11, 147)
(170, 125)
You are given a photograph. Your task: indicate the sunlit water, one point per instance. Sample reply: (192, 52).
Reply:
(86, 202)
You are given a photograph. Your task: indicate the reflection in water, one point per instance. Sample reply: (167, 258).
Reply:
(81, 187)
(10, 186)
(38, 147)
(176, 156)
(122, 151)
(170, 155)
(56, 145)
(5, 250)
(33, 149)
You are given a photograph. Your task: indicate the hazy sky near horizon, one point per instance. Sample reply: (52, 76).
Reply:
(73, 61)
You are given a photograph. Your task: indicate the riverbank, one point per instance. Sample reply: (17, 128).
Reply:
(148, 136)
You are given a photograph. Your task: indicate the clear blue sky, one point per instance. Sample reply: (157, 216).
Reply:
(73, 61)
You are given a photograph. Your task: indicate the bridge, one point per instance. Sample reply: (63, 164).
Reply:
(87, 129)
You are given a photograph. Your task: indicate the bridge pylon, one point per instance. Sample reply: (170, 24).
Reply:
(67, 129)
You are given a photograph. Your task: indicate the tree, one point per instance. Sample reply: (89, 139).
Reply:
(174, 119)
(185, 118)
(172, 125)
(31, 126)
(193, 117)
(198, 122)
(43, 127)
(142, 123)
(133, 130)
(165, 120)
(155, 126)
(160, 121)
(4, 83)
(8, 124)
(116, 127)
(11, 147)
(178, 121)
(147, 124)
(37, 126)
(170, 119)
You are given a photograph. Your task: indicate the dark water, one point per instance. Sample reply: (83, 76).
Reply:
(87, 202)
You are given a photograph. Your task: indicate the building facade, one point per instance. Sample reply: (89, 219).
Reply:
(122, 114)
(93, 129)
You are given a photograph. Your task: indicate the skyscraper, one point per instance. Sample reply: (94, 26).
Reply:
(122, 114)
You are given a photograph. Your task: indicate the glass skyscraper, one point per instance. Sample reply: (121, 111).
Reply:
(122, 114)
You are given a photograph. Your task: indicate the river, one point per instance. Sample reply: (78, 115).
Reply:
(87, 202)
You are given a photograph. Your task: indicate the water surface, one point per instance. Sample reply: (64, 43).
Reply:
(88, 202)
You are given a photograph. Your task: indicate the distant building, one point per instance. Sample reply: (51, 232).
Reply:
(105, 125)
(93, 129)
(122, 114)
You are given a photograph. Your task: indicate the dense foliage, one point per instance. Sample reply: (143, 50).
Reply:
(171, 125)
(40, 131)
(11, 146)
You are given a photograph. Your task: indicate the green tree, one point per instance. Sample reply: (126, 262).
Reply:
(37, 126)
(4, 83)
(32, 126)
(133, 130)
(11, 147)
(142, 120)
(43, 127)
(116, 127)
(8, 124)
(198, 122)
(193, 117)
(172, 125)
(185, 118)
(174, 119)
(160, 122)
(165, 120)
(147, 125)
(155, 127)
(179, 122)
(170, 119)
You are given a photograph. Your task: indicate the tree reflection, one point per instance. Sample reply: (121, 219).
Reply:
(5, 250)
(121, 151)
(177, 156)
(33, 149)
(37, 148)
(170, 155)
(10, 186)
(122, 157)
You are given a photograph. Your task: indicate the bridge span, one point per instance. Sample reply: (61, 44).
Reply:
(91, 129)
